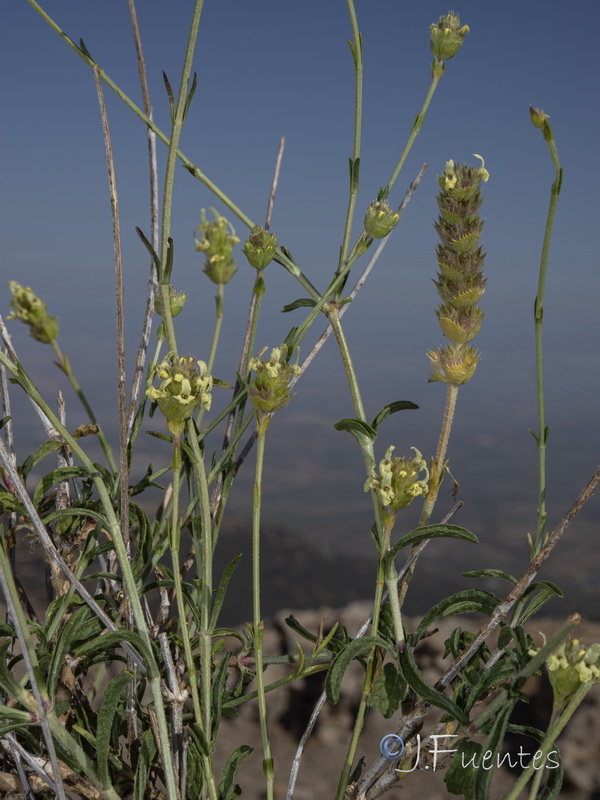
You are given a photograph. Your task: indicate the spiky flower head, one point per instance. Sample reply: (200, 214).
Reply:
(184, 385)
(30, 309)
(217, 242)
(446, 36)
(455, 364)
(380, 219)
(176, 302)
(269, 389)
(259, 247)
(460, 281)
(398, 482)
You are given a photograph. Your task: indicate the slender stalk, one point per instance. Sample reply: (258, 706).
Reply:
(65, 366)
(258, 624)
(356, 49)
(205, 602)
(417, 125)
(437, 470)
(174, 544)
(217, 329)
(551, 736)
(121, 377)
(153, 174)
(538, 315)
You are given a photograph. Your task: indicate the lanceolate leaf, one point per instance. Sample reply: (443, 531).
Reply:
(354, 649)
(459, 603)
(106, 716)
(416, 681)
(302, 302)
(54, 477)
(398, 405)
(359, 429)
(227, 786)
(432, 532)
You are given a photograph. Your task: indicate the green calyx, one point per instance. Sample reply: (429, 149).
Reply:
(398, 481)
(30, 309)
(446, 36)
(176, 302)
(269, 390)
(217, 242)
(184, 385)
(455, 364)
(259, 247)
(380, 219)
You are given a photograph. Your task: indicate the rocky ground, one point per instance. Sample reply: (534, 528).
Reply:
(291, 706)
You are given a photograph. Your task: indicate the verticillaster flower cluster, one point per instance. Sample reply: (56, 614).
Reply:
(184, 385)
(398, 482)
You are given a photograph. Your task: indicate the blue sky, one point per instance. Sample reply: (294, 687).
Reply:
(269, 69)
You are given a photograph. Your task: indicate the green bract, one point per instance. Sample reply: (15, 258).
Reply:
(217, 242)
(259, 247)
(269, 390)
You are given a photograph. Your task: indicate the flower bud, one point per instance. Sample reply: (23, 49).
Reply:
(398, 482)
(31, 310)
(217, 242)
(446, 37)
(380, 219)
(176, 302)
(571, 665)
(259, 248)
(183, 387)
(269, 390)
(455, 364)
(538, 118)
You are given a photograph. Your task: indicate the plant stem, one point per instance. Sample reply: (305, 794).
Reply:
(205, 602)
(356, 48)
(175, 542)
(437, 470)
(258, 624)
(538, 315)
(65, 366)
(417, 125)
(551, 735)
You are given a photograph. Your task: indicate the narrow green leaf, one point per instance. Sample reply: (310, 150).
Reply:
(190, 96)
(389, 690)
(391, 408)
(484, 776)
(461, 774)
(354, 649)
(227, 789)
(357, 428)
(302, 302)
(546, 591)
(222, 590)
(68, 634)
(414, 679)
(469, 599)
(106, 716)
(490, 573)
(432, 532)
(54, 477)
(146, 754)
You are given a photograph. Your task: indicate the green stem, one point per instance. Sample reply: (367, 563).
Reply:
(65, 366)
(551, 735)
(217, 329)
(356, 48)
(417, 125)
(391, 581)
(205, 601)
(538, 315)
(175, 542)
(437, 471)
(258, 624)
